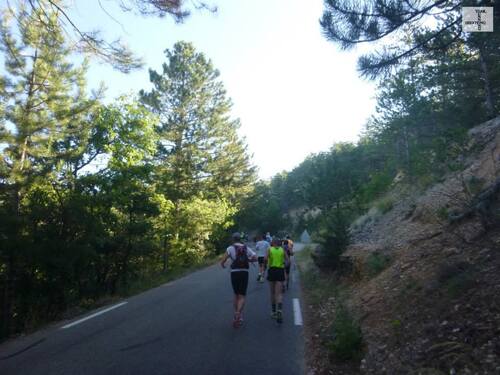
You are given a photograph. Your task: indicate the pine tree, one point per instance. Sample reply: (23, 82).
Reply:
(44, 98)
(200, 150)
(92, 42)
(200, 155)
(44, 106)
(396, 27)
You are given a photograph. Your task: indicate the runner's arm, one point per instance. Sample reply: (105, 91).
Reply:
(223, 260)
(252, 256)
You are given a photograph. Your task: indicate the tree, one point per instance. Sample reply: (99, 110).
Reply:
(44, 112)
(200, 155)
(44, 97)
(199, 148)
(115, 53)
(396, 26)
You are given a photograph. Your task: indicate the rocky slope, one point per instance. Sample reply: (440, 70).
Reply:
(434, 308)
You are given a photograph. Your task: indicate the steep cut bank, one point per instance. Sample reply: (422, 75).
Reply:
(422, 278)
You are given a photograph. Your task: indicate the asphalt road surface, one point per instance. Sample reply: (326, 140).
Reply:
(183, 327)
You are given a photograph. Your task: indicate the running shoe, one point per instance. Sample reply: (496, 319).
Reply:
(279, 317)
(237, 321)
(274, 315)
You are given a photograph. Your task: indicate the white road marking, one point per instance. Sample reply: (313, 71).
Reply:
(297, 314)
(93, 315)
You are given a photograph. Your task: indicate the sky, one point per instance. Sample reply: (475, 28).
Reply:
(294, 92)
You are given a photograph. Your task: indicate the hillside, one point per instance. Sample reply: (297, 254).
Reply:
(423, 276)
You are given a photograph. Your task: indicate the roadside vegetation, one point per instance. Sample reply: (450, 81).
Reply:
(333, 331)
(102, 200)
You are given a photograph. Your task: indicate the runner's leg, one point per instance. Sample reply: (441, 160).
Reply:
(273, 298)
(279, 301)
(240, 303)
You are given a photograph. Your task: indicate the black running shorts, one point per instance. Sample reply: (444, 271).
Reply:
(260, 260)
(276, 274)
(239, 281)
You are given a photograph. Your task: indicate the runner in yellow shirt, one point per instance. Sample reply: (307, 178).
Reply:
(276, 258)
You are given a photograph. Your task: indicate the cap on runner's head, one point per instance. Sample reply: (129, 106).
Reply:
(236, 236)
(276, 241)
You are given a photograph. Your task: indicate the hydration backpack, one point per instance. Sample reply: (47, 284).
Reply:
(241, 259)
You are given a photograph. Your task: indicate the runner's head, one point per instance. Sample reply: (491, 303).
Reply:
(236, 237)
(276, 241)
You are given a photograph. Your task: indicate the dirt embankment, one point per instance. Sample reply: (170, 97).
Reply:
(432, 306)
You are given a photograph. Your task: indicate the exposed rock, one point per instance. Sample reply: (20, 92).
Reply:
(435, 310)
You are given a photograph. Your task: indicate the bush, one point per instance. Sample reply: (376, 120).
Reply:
(376, 263)
(334, 239)
(385, 205)
(347, 338)
(443, 214)
(456, 278)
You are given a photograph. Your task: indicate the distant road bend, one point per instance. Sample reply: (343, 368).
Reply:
(183, 327)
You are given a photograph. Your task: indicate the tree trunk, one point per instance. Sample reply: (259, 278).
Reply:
(490, 108)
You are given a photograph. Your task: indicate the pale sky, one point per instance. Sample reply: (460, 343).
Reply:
(294, 92)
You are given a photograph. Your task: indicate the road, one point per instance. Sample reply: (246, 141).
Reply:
(182, 327)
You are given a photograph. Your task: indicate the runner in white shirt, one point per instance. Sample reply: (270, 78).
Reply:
(261, 248)
(241, 255)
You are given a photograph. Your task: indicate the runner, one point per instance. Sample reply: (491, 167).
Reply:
(290, 242)
(275, 258)
(288, 247)
(268, 237)
(261, 248)
(240, 255)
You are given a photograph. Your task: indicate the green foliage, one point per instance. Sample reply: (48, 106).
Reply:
(262, 209)
(201, 165)
(98, 200)
(197, 219)
(347, 337)
(384, 205)
(319, 286)
(115, 53)
(443, 214)
(376, 263)
(198, 146)
(456, 278)
(377, 185)
(334, 238)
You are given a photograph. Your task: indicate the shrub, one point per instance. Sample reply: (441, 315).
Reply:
(385, 205)
(443, 213)
(376, 263)
(456, 278)
(378, 184)
(347, 338)
(334, 239)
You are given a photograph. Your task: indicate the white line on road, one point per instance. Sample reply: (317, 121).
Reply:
(93, 315)
(297, 314)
